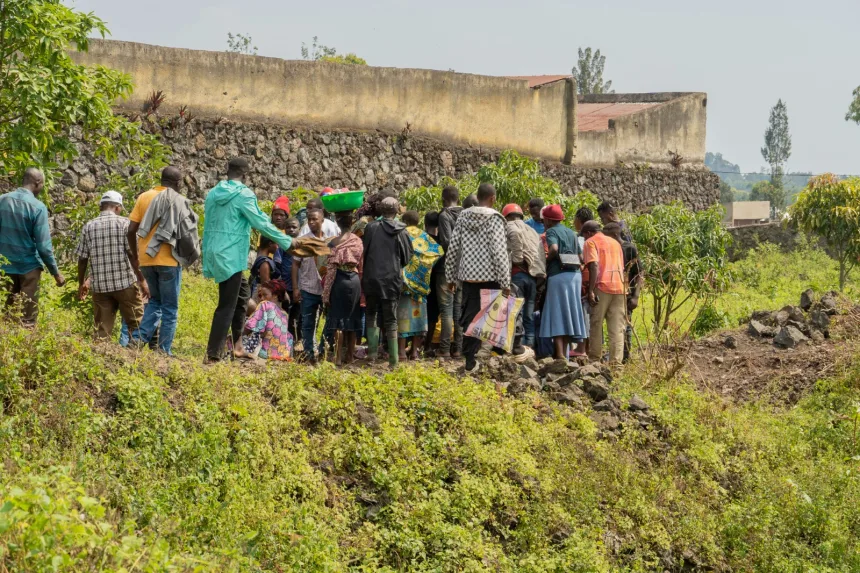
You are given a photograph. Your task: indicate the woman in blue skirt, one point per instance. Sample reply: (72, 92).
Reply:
(562, 318)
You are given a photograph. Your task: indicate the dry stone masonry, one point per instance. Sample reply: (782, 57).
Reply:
(284, 158)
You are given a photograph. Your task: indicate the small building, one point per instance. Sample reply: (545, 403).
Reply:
(743, 213)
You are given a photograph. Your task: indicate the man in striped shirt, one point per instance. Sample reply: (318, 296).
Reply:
(25, 243)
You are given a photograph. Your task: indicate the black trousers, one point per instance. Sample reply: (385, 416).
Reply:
(293, 311)
(470, 309)
(386, 309)
(233, 295)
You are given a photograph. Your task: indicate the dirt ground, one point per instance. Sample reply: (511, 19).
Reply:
(756, 368)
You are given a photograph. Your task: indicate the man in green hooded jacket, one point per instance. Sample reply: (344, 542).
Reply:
(230, 212)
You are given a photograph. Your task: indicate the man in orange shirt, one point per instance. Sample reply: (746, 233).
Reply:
(162, 272)
(606, 292)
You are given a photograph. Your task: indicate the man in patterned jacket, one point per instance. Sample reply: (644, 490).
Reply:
(478, 258)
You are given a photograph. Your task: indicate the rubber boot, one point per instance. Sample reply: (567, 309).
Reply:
(393, 350)
(372, 343)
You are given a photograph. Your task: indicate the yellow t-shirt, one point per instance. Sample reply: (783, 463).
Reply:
(164, 256)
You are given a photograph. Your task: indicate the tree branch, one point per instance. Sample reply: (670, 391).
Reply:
(4, 8)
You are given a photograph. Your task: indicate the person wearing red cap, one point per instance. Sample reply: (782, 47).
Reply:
(280, 211)
(528, 264)
(562, 318)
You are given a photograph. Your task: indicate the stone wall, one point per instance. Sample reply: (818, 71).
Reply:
(285, 158)
(456, 107)
(749, 237)
(463, 109)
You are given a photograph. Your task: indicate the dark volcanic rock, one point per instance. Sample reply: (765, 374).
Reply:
(596, 389)
(567, 396)
(789, 337)
(828, 303)
(605, 421)
(760, 330)
(637, 404)
(820, 320)
(807, 297)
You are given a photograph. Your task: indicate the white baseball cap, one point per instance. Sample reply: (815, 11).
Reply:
(111, 197)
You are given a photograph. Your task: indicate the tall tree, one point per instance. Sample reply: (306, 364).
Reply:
(589, 73)
(241, 44)
(854, 109)
(777, 150)
(44, 93)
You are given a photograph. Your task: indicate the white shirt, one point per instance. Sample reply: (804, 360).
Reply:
(329, 229)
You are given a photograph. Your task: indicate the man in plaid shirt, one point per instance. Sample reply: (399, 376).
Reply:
(116, 282)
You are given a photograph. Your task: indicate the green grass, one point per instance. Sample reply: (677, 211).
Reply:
(111, 461)
(765, 279)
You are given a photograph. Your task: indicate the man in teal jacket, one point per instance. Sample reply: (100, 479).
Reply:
(230, 212)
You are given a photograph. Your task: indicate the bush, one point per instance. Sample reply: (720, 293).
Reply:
(684, 258)
(708, 319)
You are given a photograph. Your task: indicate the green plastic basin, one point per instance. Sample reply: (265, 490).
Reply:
(348, 201)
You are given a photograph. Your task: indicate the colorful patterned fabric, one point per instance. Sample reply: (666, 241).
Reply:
(271, 323)
(416, 274)
(411, 317)
(346, 255)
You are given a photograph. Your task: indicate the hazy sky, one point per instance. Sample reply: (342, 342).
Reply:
(744, 54)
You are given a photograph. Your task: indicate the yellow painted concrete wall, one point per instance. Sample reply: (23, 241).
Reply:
(464, 108)
(678, 125)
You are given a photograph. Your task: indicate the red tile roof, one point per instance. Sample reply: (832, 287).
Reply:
(537, 81)
(596, 116)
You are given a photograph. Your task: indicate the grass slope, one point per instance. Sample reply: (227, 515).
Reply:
(112, 461)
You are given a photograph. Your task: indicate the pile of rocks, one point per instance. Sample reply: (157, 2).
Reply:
(577, 385)
(794, 325)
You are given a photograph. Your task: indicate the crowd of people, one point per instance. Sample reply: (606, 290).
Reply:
(377, 282)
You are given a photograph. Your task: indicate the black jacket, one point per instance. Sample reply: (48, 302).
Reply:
(447, 222)
(387, 249)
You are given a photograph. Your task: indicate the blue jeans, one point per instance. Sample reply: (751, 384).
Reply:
(311, 306)
(163, 306)
(528, 290)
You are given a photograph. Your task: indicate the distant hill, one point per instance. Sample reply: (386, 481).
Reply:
(742, 183)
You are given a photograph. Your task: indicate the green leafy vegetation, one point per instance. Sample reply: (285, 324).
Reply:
(766, 278)
(776, 151)
(684, 258)
(854, 109)
(322, 53)
(241, 44)
(831, 209)
(44, 94)
(589, 73)
(517, 179)
(113, 461)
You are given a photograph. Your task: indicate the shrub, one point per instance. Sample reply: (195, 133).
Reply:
(830, 208)
(684, 258)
